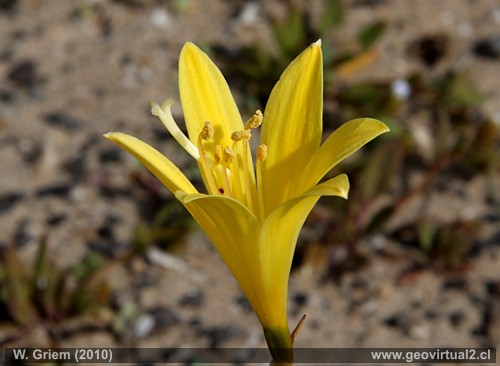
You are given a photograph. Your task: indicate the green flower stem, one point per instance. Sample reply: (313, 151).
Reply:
(280, 345)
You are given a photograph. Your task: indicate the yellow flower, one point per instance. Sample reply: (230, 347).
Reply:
(253, 216)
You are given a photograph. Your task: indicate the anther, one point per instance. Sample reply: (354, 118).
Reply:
(207, 132)
(229, 155)
(262, 152)
(254, 121)
(241, 135)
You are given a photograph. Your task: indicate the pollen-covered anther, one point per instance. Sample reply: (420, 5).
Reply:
(254, 121)
(241, 135)
(229, 155)
(262, 152)
(207, 132)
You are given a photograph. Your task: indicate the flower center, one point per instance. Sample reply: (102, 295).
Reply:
(226, 170)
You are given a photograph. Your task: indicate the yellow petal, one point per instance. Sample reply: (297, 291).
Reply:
(344, 141)
(156, 162)
(292, 125)
(234, 231)
(338, 186)
(205, 96)
(277, 245)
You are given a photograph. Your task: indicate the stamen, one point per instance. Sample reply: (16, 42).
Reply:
(241, 135)
(205, 134)
(262, 152)
(261, 156)
(246, 185)
(254, 121)
(165, 115)
(218, 154)
(229, 156)
(238, 188)
(242, 187)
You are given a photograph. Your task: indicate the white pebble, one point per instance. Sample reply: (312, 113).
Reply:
(144, 325)
(401, 89)
(160, 18)
(250, 13)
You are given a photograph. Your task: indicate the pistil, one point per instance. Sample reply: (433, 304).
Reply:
(165, 115)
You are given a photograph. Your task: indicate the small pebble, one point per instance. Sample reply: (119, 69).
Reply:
(8, 200)
(57, 190)
(421, 331)
(24, 74)
(250, 13)
(488, 47)
(192, 299)
(144, 325)
(160, 18)
(401, 89)
(61, 120)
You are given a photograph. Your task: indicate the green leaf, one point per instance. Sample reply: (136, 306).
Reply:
(15, 288)
(333, 16)
(370, 34)
(426, 234)
(38, 265)
(382, 164)
(459, 91)
(291, 34)
(141, 239)
(89, 264)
